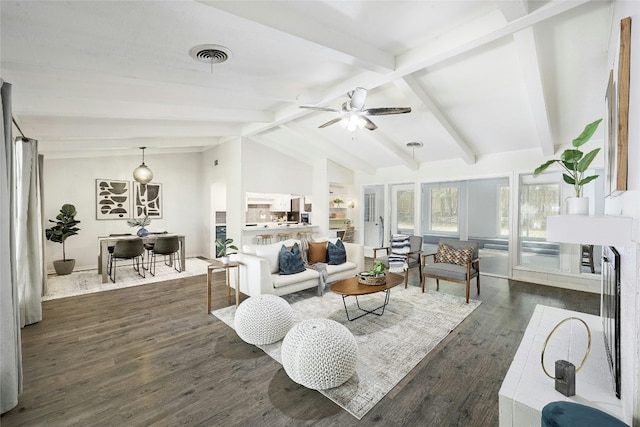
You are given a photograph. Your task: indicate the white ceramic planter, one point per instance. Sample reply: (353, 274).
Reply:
(224, 260)
(577, 205)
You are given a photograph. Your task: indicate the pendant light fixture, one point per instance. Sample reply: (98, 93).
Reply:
(142, 173)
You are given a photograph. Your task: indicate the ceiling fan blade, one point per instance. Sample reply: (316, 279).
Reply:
(330, 122)
(357, 98)
(333, 110)
(385, 111)
(369, 124)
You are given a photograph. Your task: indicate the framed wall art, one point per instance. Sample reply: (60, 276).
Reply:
(147, 200)
(113, 199)
(617, 109)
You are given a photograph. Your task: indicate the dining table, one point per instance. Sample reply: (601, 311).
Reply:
(106, 241)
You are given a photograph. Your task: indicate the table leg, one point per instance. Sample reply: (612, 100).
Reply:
(373, 311)
(182, 267)
(103, 260)
(209, 274)
(228, 286)
(238, 287)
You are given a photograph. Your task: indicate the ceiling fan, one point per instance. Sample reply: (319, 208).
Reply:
(353, 115)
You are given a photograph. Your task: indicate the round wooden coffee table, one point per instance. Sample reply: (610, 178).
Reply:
(351, 288)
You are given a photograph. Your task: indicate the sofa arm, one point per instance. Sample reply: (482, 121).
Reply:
(255, 274)
(355, 253)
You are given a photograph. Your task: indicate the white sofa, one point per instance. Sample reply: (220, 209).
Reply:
(257, 276)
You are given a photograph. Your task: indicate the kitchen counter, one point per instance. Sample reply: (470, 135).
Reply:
(249, 233)
(277, 226)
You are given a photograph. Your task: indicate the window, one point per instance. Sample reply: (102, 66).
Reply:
(369, 207)
(404, 203)
(444, 209)
(538, 201)
(503, 209)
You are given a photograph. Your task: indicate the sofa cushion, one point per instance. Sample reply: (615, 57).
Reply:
(317, 252)
(336, 253)
(291, 260)
(449, 255)
(448, 271)
(339, 268)
(272, 254)
(281, 281)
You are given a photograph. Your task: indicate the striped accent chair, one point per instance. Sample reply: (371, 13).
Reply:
(412, 256)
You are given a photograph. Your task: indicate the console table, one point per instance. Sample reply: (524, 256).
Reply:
(526, 389)
(105, 242)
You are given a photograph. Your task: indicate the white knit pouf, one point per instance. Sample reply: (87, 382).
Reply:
(319, 354)
(263, 319)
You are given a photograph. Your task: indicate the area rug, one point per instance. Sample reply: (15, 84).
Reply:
(389, 346)
(89, 281)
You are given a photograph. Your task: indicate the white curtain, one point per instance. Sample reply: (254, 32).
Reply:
(29, 233)
(10, 345)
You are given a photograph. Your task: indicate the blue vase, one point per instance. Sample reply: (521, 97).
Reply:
(142, 232)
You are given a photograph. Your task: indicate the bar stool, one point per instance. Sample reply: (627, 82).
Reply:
(262, 238)
(284, 236)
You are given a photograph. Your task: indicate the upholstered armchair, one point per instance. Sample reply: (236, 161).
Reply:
(413, 257)
(456, 261)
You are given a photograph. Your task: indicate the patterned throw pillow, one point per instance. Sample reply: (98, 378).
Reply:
(337, 254)
(291, 260)
(449, 255)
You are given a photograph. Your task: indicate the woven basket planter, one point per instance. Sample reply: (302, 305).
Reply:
(368, 279)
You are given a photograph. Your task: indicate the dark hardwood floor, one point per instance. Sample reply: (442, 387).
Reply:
(151, 355)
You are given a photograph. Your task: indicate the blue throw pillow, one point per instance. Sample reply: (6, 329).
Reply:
(291, 260)
(337, 254)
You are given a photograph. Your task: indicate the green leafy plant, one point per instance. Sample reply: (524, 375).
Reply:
(338, 201)
(65, 227)
(224, 246)
(377, 268)
(574, 161)
(139, 222)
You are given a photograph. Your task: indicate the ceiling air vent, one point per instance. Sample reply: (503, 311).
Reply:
(210, 53)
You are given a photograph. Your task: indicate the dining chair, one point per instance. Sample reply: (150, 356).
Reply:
(111, 247)
(166, 246)
(126, 249)
(148, 246)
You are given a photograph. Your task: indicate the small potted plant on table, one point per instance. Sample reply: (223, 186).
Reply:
(223, 248)
(65, 226)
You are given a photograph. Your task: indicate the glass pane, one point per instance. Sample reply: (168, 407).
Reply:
(444, 209)
(404, 204)
(488, 222)
(369, 207)
(537, 202)
(504, 211)
(373, 224)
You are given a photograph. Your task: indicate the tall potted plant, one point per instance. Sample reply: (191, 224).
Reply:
(575, 164)
(223, 247)
(65, 227)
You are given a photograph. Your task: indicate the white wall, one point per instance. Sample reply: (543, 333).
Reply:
(269, 171)
(74, 181)
(627, 204)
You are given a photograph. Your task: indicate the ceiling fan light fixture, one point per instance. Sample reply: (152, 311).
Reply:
(142, 173)
(353, 122)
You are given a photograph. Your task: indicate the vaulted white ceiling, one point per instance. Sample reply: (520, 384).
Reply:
(481, 77)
